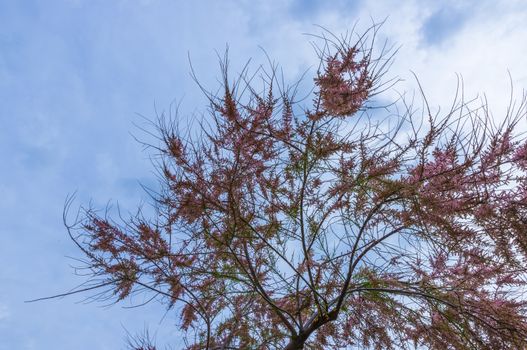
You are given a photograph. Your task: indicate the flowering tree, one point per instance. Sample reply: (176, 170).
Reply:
(288, 225)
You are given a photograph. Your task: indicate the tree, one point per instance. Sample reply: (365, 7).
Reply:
(294, 225)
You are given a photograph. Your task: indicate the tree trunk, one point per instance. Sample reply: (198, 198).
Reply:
(297, 343)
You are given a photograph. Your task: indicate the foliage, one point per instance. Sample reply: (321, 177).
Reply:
(288, 225)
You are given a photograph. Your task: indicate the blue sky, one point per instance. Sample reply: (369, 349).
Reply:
(76, 74)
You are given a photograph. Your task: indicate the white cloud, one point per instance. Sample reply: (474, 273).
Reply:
(4, 313)
(488, 44)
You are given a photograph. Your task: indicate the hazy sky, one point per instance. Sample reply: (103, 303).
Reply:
(75, 75)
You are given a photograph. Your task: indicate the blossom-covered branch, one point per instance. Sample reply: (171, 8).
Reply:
(326, 225)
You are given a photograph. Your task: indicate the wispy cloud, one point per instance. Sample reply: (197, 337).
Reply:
(4, 312)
